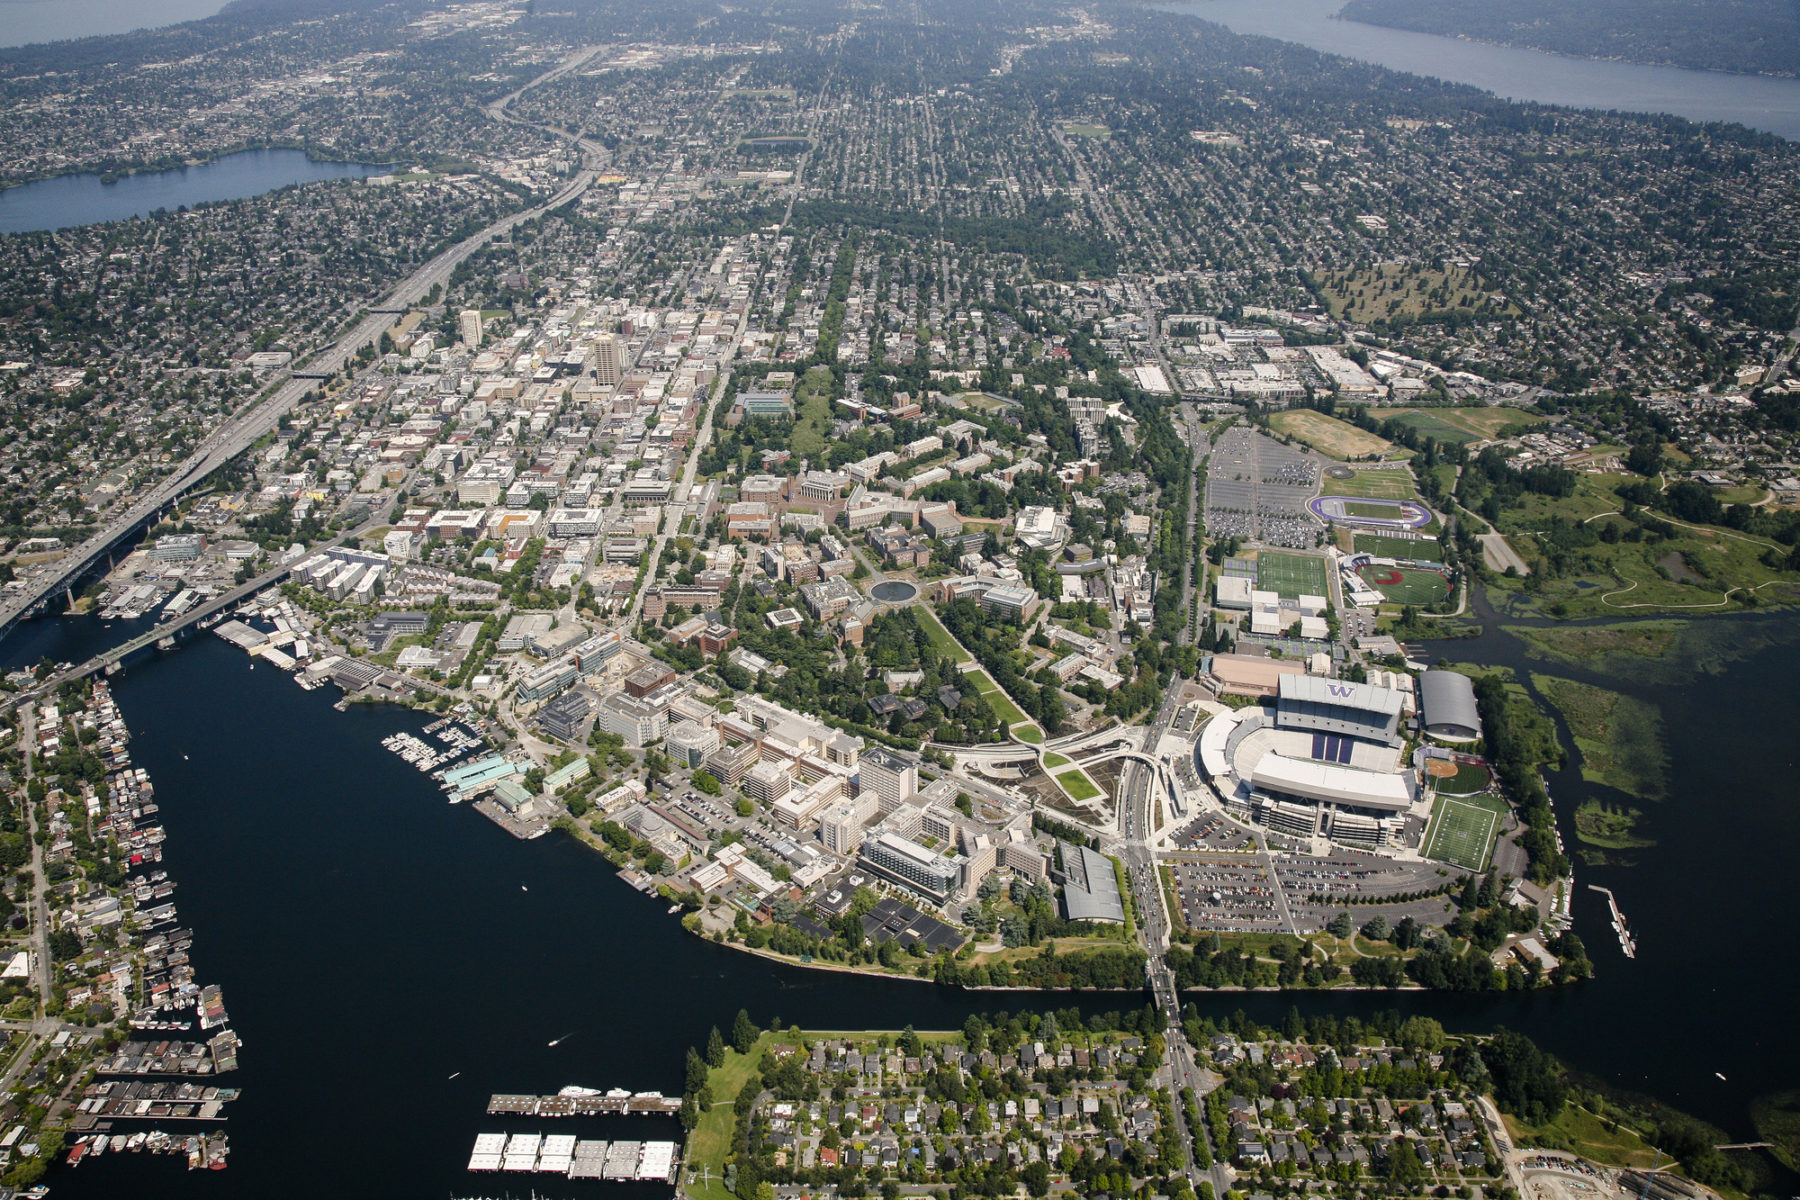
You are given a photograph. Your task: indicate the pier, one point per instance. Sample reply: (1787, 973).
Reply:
(582, 1102)
(1627, 943)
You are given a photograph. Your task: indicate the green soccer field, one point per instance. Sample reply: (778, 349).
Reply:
(1291, 575)
(1461, 834)
(1385, 545)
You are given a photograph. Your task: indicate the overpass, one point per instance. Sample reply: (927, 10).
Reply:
(261, 417)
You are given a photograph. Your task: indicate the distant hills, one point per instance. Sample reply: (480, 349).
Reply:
(1747, 36)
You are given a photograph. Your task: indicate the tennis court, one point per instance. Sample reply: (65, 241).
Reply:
(1462, 834)
(1291, 575)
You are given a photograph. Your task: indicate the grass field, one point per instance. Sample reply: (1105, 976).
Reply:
(1402, 289)
(998, 700)
(1054, 760)
(1028, 733)
(1386, 545)
(1328, 435)
(1634, 578)
(1464, 425)
(1461, 834)
(812, 412)
(1374, 510)
(1078, 785)
(1581, 1132)
(1415, 585)
(941, 641)
(1087, 131)
(1292, 575)
(1387, 484)
(710, 1141)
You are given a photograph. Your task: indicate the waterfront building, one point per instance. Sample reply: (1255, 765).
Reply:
(904, 861)
(635, 720)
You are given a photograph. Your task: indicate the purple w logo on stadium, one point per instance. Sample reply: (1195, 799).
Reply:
(1340, 690)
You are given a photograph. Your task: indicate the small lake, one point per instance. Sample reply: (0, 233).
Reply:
(1760, 102)
(23, 22)
(69, 200)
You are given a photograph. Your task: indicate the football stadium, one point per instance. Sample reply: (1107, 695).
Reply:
(1325, 762)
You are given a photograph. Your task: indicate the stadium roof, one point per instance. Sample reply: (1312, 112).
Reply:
(1362, 696)
(1331, 784)
(1448, 701)
(1090, 888)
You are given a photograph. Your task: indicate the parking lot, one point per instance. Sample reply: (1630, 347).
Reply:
(1310, 881)
(1236, 893)
(1228, 894)
(1256, 488)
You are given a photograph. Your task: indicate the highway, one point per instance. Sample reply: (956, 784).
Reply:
(243, 428)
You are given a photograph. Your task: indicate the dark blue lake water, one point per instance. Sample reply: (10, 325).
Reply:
(69, 200)
(1768, 104)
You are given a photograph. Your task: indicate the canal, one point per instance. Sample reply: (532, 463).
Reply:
(374, 941)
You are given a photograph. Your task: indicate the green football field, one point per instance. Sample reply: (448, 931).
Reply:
(1461, 834)
(1291, 575)
(1386, 545)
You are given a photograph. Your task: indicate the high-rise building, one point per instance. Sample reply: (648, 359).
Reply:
(469, 323)
(889, 775)
(609, 359)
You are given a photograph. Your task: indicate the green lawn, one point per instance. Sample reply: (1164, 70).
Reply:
(1028, 733)
(999, 701)
(1078, 785)
(710, 1142)
(941, 641)
(812, 412)
(1054, 760)
(1581, 1132)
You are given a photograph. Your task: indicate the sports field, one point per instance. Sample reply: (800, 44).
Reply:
(1395, 483)
(1328, 435)
(1461, 834)
(1460, 426)
(1470, 778)
(1386, 545)
(1407, 585)
(1291, 575)
(1388, 514)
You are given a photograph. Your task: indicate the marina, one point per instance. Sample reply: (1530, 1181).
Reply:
(574, 1158)
(207, 1152)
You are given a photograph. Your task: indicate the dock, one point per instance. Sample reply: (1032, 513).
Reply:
(1627, 943)
(582, 1102)
(572, 1158)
